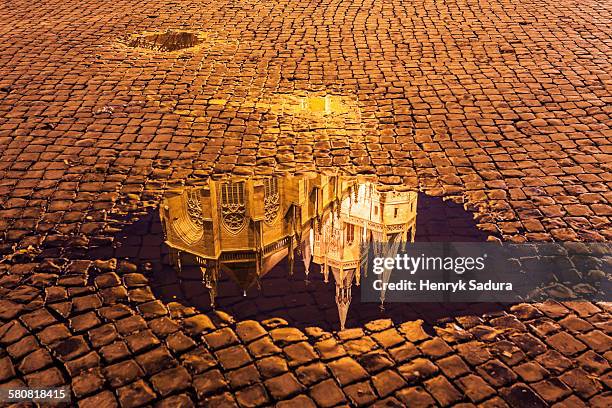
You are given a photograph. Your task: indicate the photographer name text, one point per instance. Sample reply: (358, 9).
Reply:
(426, 285)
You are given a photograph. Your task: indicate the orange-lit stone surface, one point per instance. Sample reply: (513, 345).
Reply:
(503, 106)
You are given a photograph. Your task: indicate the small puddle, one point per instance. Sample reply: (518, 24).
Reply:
(293, 246)
(167, 41)
(320, 104)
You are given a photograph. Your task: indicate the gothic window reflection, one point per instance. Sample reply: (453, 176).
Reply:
(233, 206)
(271, 199)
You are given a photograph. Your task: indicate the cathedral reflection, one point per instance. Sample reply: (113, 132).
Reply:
(244, 227)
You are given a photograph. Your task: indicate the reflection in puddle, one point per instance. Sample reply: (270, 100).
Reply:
(320, 104)
(292, 247)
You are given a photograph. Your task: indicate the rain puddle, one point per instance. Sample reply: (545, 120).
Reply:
(168, 41)
(292, 247)
(319, 105)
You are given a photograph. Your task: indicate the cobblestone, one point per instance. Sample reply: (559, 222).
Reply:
(504, 109)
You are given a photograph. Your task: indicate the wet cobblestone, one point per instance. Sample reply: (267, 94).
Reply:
(504, 108)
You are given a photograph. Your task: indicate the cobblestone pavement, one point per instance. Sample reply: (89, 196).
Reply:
(502, 105)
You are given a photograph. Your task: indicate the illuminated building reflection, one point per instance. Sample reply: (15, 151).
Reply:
(244, 227)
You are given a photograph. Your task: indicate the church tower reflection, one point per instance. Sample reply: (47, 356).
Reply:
(244, 227)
